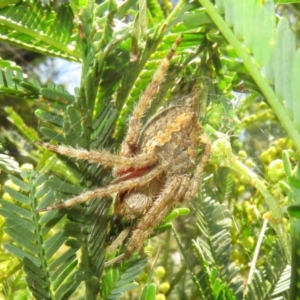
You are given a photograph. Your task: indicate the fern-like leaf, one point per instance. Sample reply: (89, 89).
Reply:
(268, 50)
(220, 275)
(46, 275)
(118, 280)
(25, 25)
(269, 281)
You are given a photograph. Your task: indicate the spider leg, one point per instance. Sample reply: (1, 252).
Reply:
(175, 189)
(104, 157)
(105, 191)
(134, 126)
(115, 260)
(119, 240)
(200, 168)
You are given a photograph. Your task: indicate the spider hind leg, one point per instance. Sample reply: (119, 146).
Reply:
(174, 190)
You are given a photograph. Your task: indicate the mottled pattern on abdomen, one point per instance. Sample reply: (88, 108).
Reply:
(173, 136)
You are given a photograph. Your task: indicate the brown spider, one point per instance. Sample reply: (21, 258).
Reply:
(153, 170)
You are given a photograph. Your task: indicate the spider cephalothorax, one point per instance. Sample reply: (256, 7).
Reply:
(158, 166)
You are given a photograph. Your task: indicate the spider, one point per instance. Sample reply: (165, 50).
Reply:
(154, 167)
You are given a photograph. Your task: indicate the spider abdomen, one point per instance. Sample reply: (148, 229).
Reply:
(173, 136)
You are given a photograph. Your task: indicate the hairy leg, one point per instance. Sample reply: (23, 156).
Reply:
(105, 191)
(174, 190)
(200, 168)
(104, 157)
(119, 240)
(134, 126)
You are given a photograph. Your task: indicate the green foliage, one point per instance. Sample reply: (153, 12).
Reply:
(61, 254)
(116, 282)
(45, 277)
(219, 278)
(32, 26)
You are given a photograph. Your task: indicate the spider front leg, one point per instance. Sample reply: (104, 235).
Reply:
(104, 158)
(134, 125)
(105, 191)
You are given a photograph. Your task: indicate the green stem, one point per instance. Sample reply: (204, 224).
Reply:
(40, 36)
(255, 72)
(227, 159)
